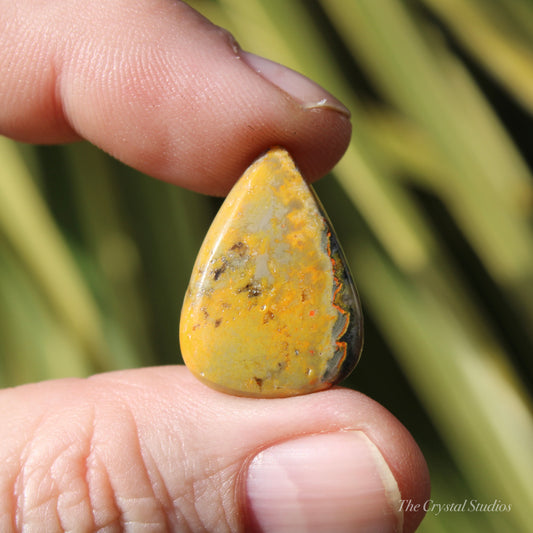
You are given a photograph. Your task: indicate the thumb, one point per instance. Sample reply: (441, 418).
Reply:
(159, 87)
(154, 449)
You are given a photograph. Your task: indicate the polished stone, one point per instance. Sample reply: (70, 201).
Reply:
(271, 309)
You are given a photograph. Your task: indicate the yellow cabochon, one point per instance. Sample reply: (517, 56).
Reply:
(271, 309)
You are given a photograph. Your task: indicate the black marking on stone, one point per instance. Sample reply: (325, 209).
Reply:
(253, 289)
(259, 382)
(218, 321)
(239, 248)
(220, 270)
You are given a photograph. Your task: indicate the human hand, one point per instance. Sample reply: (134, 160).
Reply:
(157, 86)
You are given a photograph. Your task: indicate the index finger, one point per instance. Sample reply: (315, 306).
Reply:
(161, 88)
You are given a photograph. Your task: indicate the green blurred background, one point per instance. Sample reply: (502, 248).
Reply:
(433, 203)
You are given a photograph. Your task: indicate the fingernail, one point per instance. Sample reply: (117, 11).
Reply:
(323, 483)
(309, 93)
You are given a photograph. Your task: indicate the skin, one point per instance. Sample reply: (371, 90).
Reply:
(159, 87)
(154, 84)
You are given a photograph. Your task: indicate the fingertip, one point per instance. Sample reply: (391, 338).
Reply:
(294, 423)
(324, 482)
(401, 452)
(165, 91)
(314, 155)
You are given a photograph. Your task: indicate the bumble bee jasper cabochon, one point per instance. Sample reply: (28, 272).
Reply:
(271, 309)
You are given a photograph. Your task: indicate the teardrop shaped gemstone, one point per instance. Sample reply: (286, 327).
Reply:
(271, 309)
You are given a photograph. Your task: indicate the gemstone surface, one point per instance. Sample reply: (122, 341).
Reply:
(271, 309)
